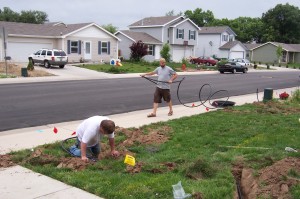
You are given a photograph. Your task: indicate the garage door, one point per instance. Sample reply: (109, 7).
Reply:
(236, 54)
(179, 53)
(19, 51)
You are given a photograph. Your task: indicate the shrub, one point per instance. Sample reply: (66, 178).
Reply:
(296, 96)
(255, 66)
(284, 96)
(165, 52)
(30, 66)
(138, 50)
(268, 66)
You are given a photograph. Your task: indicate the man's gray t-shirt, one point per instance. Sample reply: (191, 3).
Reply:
(164, 74)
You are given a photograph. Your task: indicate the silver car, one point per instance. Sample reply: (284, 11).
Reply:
(49, 57)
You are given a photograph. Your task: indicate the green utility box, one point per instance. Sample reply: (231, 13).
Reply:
(268, 94)
(24, 72)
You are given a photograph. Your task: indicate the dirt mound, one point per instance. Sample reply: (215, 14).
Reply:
(5, 161)
(73, 163)
(273, 181)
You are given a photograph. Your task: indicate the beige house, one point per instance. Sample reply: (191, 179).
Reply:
(84, 41)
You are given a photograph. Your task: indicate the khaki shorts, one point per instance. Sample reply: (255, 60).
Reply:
(162, 93)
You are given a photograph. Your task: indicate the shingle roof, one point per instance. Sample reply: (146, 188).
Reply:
(231, 44)
(155, 21)
(46, 30)
(251, 46)
(215, 30)
(144, 37)
(288, 47)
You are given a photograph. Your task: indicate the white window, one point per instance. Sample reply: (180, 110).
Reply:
(180, 33)
(74, 46)
(225, 38)
(192, 34)
(231, 38)
(104, 47)
(150, 49)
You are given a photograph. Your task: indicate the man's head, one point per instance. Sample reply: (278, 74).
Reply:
(107, 126)
(162, 62)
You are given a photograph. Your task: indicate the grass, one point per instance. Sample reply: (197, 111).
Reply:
(137, 67)
(202, 147)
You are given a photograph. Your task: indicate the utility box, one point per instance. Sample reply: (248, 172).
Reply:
(24, 72)
(268, 94)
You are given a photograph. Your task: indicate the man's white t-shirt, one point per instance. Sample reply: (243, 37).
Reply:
(88, 131)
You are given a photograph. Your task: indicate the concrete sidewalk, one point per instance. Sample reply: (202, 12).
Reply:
(19, 182)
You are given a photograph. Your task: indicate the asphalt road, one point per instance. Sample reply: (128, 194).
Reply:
(34, 104)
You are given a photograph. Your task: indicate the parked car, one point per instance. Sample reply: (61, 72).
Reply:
(204, 60)
(232, 67)
(49, 57)
(244, 62)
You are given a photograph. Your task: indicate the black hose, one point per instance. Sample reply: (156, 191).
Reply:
(213, 105)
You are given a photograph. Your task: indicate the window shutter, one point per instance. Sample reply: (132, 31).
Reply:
(182, 33)
(189, 34)
(177, 33)
(99, 47)
(153, 50)
(68, 46)
(79, 47)
(108, 47)
(194, 34)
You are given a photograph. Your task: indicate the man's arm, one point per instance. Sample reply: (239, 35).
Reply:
(148, 74)
(112, 147)
(83, 152)
(174, 76)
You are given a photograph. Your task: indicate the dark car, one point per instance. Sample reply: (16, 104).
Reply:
(204, 60)
(232, 67)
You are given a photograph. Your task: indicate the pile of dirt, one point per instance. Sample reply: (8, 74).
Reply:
(5, 161)
(274, 107)
(15, 70)
(273, 181)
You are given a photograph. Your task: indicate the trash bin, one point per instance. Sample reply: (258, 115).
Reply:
(268, 94)
(24, 72)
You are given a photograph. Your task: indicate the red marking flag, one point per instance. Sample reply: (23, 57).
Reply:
(55, 130)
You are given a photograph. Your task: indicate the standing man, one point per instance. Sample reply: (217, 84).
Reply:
(166, 75)
(89, 133)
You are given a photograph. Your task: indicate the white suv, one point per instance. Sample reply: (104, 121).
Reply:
(49, 57)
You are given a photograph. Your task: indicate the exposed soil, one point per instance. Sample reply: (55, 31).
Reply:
(15, 70)
(270, 182)
(5, 161)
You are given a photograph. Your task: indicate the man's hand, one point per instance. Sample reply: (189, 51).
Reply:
(84, 158)
(170, 81)
(115, 153)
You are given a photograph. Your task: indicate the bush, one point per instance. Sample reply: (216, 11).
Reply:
(296, 96)
(255, 66)
(30, 66)
(165, 52)
(268, 66)
(116, 70)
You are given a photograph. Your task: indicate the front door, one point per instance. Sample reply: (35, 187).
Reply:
(87, 50)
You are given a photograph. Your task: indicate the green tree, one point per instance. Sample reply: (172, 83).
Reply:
(138, 50)
(165, 52)
(284, 20)
(36, 17)
(279, 51)
(110, 28)
(200, 17)
(172, 13)
(8, 15)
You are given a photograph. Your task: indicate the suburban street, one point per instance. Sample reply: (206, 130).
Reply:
(33, 104)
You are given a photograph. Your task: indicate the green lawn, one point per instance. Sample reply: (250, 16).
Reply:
(202, 150)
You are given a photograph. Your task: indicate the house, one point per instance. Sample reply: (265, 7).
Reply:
(249, 48)
(266, 53)
(179, 32)
(219, 41)
(83, 41)
(129, 37)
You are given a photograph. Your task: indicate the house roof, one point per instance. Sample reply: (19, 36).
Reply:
(216, 30)
(136, 36)
(286, 47)
(156, 21)
(231, 44)
(50, 30)
(251, 46)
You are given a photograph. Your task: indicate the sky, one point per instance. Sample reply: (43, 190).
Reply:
(122, 13)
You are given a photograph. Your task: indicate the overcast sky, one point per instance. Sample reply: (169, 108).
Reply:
(121, 13)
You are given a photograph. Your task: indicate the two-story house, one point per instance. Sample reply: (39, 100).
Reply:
(179, 32)
(220, 42)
